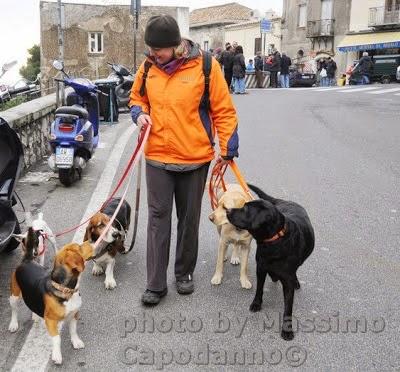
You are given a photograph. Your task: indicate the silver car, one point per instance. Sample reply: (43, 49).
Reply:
(398, 73)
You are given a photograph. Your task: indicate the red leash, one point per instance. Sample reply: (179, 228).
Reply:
(139, 147)
(217, 181)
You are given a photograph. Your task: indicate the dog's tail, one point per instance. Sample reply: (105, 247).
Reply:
(262, 194)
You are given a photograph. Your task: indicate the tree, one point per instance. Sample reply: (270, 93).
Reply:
(32, 67)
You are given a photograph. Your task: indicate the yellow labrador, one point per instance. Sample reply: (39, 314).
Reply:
(233, 197)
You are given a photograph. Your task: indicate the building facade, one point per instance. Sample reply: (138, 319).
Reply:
(312, 27)
(95, 35)
(248, 34)
(207, 25)
(374, 27)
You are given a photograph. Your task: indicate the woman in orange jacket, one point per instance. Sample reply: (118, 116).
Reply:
(169, 94)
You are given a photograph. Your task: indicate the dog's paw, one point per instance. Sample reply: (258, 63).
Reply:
(235, 260)
(77, 343)
(255, 306)
(110, 283)
(245, 282)
(216, 279)
(287, 335)
(56, 357)
(97, 270)
(13, 327)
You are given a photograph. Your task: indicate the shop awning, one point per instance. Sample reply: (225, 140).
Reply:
(378, 40)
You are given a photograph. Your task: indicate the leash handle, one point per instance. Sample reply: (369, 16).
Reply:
(240, 178)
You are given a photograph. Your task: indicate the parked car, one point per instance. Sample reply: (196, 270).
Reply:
(398, 73)
(301, 79)
(385, 70)
(4, 93)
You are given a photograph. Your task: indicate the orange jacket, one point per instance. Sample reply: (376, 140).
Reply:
(182, 132)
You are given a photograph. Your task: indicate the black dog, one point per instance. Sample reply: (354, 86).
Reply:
(285, 238)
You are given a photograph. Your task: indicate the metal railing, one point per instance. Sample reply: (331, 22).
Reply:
(381, 16)
(320, 28)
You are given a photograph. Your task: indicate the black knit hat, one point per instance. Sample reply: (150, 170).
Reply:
(162, 32)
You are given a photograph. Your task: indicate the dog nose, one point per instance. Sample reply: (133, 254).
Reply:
(211, 217)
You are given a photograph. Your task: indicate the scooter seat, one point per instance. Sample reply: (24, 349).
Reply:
(73, 110)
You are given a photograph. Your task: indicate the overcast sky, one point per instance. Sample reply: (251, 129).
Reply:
(20, 27)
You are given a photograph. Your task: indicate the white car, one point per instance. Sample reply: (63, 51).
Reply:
(398, 74)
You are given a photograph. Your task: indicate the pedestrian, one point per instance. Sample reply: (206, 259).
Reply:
(286, 62)
(322, 74)
(259, 67)
(331, 68)
(275, 68)
(250, 66)
(226, 61)
(179, 148)
(365, 66)
(239, 71)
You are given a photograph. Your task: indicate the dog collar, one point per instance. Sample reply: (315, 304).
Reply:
(279, 234)
(64, 292)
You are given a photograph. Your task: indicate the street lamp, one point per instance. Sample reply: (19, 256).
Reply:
(135, 11)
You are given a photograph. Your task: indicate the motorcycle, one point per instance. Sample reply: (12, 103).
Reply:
(4, 90)
(124, 85)
(74, 134)
(11, 163)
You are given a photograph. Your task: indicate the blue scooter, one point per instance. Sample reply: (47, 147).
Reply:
(74, 134)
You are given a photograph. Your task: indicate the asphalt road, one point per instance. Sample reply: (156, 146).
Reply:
(337, 153)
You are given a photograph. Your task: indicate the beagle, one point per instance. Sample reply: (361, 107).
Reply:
(55, 296)
(42, 233)
(233, 197)
(120, 229)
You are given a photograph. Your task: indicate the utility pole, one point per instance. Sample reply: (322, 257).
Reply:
(135, 11)
(61, 44)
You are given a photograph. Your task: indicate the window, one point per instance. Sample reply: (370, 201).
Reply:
(257, 45)
(95, 42)
(206, 46)
(302, 21)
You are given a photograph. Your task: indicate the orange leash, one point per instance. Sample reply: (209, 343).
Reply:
(217, 181)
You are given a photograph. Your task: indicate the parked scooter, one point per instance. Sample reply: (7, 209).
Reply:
(74, 135)
(4, 91)
(125, 81)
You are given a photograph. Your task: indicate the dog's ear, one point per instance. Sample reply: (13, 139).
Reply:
(19, 237)
(88, 232)
(75, 261)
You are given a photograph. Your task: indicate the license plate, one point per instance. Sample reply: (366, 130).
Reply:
(64, 156)
(306, 77)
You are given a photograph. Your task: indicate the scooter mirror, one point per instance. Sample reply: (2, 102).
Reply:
(58, 65)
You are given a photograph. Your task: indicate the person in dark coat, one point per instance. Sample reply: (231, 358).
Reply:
(239, 71)
(286, 62)
(331, 68)
(322, 77)
(365, 66)
(275, 68)
(259, 66)
(226, 61)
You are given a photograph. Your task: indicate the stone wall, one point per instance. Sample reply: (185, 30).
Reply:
(31, 120)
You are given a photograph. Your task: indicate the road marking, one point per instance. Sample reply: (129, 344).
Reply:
(358, 89)
(331, 89)
(384, 91)
(36, 350)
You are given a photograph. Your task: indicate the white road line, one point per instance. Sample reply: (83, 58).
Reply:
(397, 94)
(36, 350)
(331, 89)
(358, 89)
(384, 91)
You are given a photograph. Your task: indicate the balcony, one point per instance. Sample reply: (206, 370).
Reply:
(381, 17)
(322, 28)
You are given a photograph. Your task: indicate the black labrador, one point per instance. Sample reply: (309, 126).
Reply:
(285, 238)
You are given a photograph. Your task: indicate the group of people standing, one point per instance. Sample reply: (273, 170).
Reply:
(326, 69)
(277, 63)
(234, 65)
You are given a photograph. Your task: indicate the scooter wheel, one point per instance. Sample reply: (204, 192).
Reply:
(67, 176)
(13, 243)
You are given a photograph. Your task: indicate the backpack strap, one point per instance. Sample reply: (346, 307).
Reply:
(207, 62)
(147, 66)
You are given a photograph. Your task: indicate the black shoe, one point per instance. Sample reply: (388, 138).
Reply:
(185, 287)
(152, 298)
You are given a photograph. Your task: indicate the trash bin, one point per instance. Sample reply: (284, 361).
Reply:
(108, 104)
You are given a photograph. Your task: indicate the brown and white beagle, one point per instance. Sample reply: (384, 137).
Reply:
(106, 262)
(55, 297)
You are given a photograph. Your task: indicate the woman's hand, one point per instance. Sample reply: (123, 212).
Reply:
(143, 119)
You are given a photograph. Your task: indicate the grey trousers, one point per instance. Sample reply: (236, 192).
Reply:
(188, 189)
